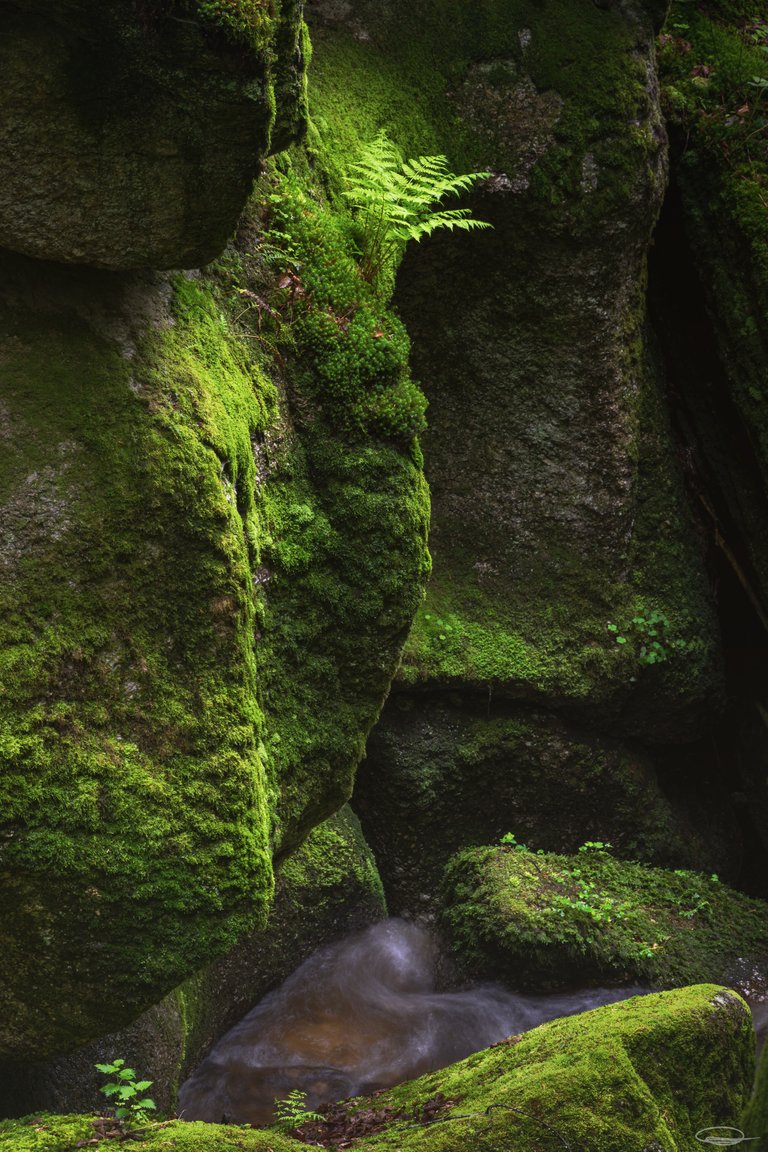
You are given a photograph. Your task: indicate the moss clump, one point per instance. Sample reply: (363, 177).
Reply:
(245, 21)
(343, 545)
(544, 920)
(351, 350)
(647, 1072)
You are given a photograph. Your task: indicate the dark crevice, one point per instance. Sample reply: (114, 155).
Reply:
(718, 460)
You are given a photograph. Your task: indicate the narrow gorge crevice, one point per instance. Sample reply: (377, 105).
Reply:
(725, 488)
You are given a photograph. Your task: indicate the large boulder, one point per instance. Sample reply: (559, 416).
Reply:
(569, 592)
(201, 608)
(541, 920)
(130, 134)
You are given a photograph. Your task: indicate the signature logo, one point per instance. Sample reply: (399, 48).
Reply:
(723, 1137)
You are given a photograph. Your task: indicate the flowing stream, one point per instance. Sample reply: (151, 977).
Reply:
(360, 1015)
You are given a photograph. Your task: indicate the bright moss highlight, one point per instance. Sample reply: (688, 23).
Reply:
(647, 1072)
(542, 920)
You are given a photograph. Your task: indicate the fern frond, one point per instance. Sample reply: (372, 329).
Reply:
(396, 200)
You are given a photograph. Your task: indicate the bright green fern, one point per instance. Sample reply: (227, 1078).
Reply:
(396, 200)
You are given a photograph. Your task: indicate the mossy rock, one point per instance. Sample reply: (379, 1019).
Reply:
(131, 133)
(645, 1073)
(442, 772)
(189, 670)
(540, 920)
(560, 524)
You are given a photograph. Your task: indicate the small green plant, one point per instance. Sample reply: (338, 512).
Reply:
(510, 840)
(396, 200)
(651, 637)
(131, 1107)
(292, 1111)
(596, 847)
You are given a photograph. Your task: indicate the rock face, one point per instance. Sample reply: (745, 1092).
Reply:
(560, 532)
(433, 762)
(130, 133)
(644, 1074)
(709, 291)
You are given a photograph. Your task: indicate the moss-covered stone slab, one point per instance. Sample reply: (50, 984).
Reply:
(644, 1074)
(130, 135)
(540, 920)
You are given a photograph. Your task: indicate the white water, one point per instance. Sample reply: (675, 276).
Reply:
(358, 1016)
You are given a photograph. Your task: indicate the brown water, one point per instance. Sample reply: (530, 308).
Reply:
(357, 1016)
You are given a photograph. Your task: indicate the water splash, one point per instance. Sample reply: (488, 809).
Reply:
(357, 1016)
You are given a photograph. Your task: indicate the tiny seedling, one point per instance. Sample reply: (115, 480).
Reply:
(125, 1093)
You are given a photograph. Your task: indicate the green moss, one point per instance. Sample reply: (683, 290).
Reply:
(132, 794)
(652, 1070)
(334, 856)
(546, 920)
(248, 22)
(423, 77)
(198, 687)
(535, 92)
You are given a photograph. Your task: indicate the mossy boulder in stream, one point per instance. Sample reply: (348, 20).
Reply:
(644, 1074)
(130, 133)
(443, 772)
(539, 920)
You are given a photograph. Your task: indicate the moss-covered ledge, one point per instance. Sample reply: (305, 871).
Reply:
(541, 920)
(643, 1074)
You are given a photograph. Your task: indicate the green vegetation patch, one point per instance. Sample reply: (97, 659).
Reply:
(543, 920)
(343, 554)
